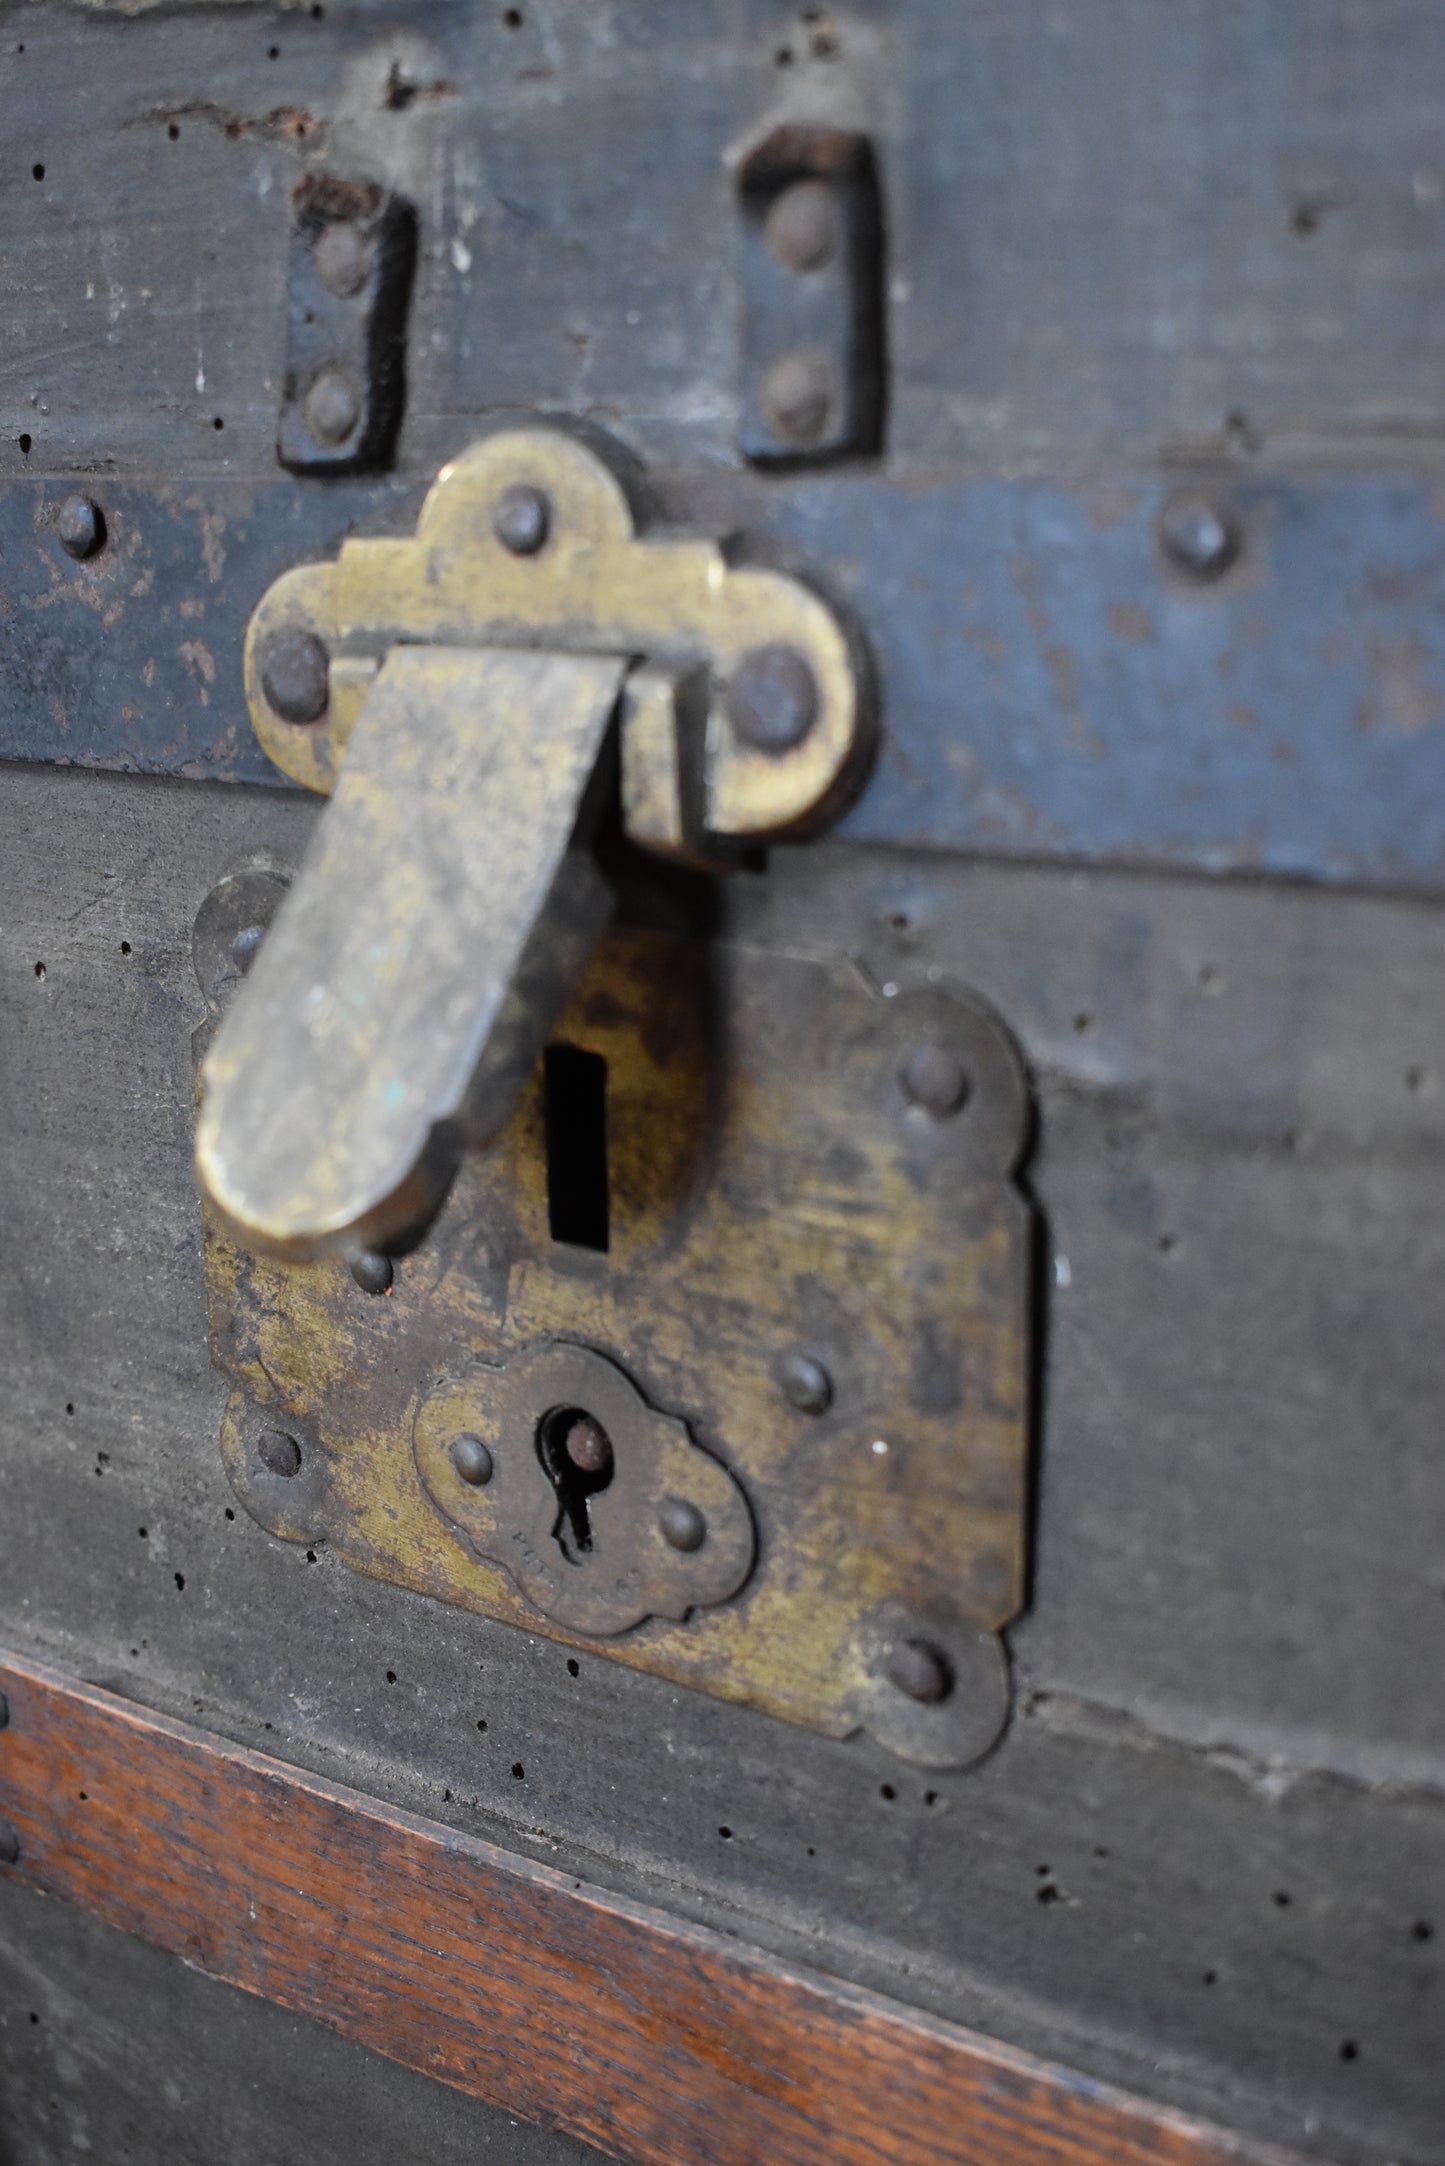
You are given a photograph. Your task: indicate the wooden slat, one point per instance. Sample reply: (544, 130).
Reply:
(651, 2038)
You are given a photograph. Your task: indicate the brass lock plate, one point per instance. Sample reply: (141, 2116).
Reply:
(795, 1309)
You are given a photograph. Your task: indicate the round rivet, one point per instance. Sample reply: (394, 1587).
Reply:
(342, 258)
(294, 667)
(683, 1526)
(801, 227)
(806, 1383)
(796, 398)
(372, 1272)
(1198, 535)
(80, 527)
(934, 1079)
(771, 700)
(9, 1844)
(920, 1670)
(472, 1460)
(588, 1446)
(279, 1453)
(522, 519)
(332, 407)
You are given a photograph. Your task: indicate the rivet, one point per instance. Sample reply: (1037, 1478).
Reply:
(342, 258)
(682, 1524)
(279, 1453)
(588, 1446)
(796, 397)
(522, 519)
(472, 1460)
(1199, 535)
(80, 527)
(806, 1383)
(920, 1670)
(332, 407)
(372, 1272)
(771, 700)
(801, 227)
(934, 1079)
(294, 668)
(9, 1844)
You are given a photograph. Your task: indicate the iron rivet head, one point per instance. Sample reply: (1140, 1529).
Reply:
(332, 407)
(342, 258)
(522, 519)
(920, 1670)
(796, 398)
(279, 1453)
(9, 1844)
(806, 1383)
(4, 1712)
(588, 1446)
(372, 1272)
(801, 228)
(1199, 536)
(293, 675)
(683, 1526)
(934, 1079)
(771, 700)
(80, 527)
(472, 1460)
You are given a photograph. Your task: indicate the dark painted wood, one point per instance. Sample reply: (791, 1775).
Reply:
(658, 2041)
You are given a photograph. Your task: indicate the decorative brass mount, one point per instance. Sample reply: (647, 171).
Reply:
(470, 675)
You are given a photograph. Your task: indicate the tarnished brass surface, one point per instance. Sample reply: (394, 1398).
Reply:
(775, 1192)
(593, 587)
(434, 931)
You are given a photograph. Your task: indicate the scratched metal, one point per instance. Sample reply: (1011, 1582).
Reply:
(1050, 688)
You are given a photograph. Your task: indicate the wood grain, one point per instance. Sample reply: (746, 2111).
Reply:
(656, 2040)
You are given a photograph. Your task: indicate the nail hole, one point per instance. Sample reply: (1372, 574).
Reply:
(37, 172)
(24, 443)
(1210, 1977)
(1349, 2049)
(574, 1668)
(1422, 1930)
(1282, 1899)
(180, 1583)
(174, 132)
(218, 423)
(1083, 1023)
(519, 1773)
(726, 1834)
(886, 1790)
(125, 947)
(40, 970)
(481, 1726)
(229, 1514)
(512, 17)
(391, 1677)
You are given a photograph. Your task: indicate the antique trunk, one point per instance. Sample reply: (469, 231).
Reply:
(722, 829)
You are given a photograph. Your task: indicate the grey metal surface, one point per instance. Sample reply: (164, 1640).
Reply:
(111, 2051)
(1128, 246)
(1208, 1858)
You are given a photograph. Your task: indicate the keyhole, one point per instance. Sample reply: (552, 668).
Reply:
(576, 1455)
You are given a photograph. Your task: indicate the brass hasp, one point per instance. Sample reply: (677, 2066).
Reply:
(455, 692)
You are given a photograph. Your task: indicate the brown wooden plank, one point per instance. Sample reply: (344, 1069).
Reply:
(651, 2038)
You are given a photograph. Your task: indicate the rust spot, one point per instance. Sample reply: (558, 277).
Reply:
(1240, 717)
(1131, 621)
(290, 125)
(1402, 697)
